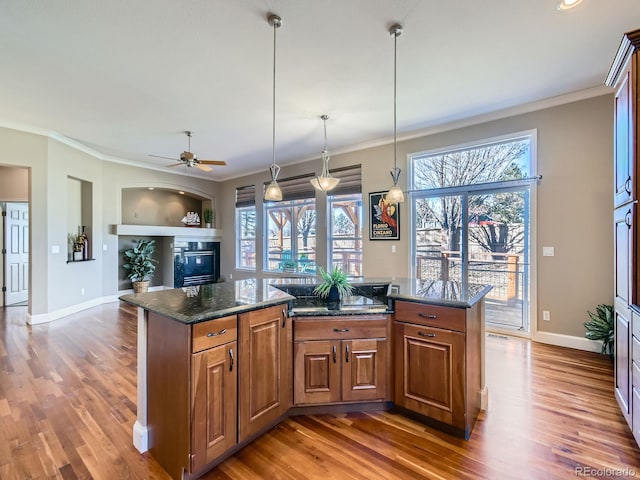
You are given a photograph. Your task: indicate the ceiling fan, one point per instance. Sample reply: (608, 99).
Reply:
(191, 160)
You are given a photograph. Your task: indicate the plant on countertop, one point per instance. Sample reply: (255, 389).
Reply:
(335, 278)
(139, 261)
(601, 326)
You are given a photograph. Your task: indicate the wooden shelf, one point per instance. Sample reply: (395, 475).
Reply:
(80, 261)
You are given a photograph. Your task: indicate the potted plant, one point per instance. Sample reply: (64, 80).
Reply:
(207, 215)
(140, 264)
(334, 286)
(75, 243)
(601, 327)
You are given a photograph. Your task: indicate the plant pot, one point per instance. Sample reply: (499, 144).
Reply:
(207, 225)
(141, 287)
(333, 299)
(77, 256)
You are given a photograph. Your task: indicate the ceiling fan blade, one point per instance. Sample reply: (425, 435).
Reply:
(213, 162)
(175, 164)
(203, 167)
(166, 158)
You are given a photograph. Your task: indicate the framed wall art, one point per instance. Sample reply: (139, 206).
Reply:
(384, 218)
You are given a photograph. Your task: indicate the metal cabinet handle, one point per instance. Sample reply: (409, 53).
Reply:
(340, 330)
(335, 352)
(627, 219)
(427, 315)
(231, 356)
(346, 354)
(221, 332)
(627, 185)
(423, 334)
(284, 318)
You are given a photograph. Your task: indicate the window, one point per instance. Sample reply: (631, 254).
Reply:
(345, 233)
(290, 233)
(470, 211)
(345, 221)
(246, 227)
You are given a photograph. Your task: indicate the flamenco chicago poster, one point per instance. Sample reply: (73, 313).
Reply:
(384, 223)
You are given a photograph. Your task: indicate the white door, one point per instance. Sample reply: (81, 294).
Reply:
(16, 262)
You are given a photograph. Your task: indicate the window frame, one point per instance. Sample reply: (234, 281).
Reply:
(240, 239)
(330, 236)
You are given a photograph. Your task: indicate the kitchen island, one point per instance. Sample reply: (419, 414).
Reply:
(220, 364)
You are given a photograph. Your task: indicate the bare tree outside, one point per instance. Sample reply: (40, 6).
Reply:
(482, 164)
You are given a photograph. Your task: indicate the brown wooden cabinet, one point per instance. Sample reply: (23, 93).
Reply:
(214, 411)
(191, 391)
(265, 384)
(340, 360)
(438, 369)
(624, 77)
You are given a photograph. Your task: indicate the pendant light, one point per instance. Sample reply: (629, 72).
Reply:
(325, 182)
(395, 194)
(273, 192)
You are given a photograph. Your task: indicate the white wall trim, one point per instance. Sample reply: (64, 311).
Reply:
(63, 312)
(569, 341)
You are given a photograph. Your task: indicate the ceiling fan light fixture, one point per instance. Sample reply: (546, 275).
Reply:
(395, 195)
(273, 193)
(325, 182)
(568, 4)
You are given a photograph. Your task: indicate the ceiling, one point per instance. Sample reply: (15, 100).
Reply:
(127, 78)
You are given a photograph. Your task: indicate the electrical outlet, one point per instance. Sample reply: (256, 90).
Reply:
(546, 315)
(82, 291)
(548, 251)
(231, 276)
(394, 249)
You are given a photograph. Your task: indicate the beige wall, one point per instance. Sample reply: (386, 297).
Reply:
(574, 205)
(14, 184)
(141, 206)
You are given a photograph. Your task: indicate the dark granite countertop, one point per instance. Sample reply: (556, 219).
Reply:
(213, 300)
(371, 296)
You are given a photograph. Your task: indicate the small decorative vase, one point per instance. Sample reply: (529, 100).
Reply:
(207, 225)
(333, 299)
(77, 256)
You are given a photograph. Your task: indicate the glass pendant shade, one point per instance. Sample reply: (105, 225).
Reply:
(325, 182)
(395, 195)
(273, 192)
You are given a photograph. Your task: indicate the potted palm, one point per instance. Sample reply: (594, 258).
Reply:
(334, 286)
(601, 327)
(207, 215)
(140, 264)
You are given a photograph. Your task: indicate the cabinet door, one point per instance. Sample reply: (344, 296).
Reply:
(214, 404)
(430, 372)
(623, 362)
(623, 218)
(317, 372)
(623, 141)
(265, 389)
(363, 369)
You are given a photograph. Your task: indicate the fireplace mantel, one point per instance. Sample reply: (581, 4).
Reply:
(165, 231)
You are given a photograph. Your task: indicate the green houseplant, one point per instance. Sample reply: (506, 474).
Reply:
(601, 327)
(207, 215)
(140, 264)
(334, 286)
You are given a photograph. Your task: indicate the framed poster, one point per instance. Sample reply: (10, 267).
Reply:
(384, 218)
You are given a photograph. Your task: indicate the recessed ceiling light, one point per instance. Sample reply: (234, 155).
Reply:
(567, 4)
(151, 188)
(181, 193)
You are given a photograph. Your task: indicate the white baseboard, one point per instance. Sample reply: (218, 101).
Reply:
(569, 341)
(140, 437)
(63, 312)
(484, 398)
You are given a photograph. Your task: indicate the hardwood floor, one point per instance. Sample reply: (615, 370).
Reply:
(67, 407)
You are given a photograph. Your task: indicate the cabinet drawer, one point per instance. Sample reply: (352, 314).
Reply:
(431, 315)
(635, 324)
(213, 333)
(329, 328)
(635, 380)
(635, 350)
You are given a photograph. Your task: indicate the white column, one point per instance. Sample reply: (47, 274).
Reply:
(140, 428)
